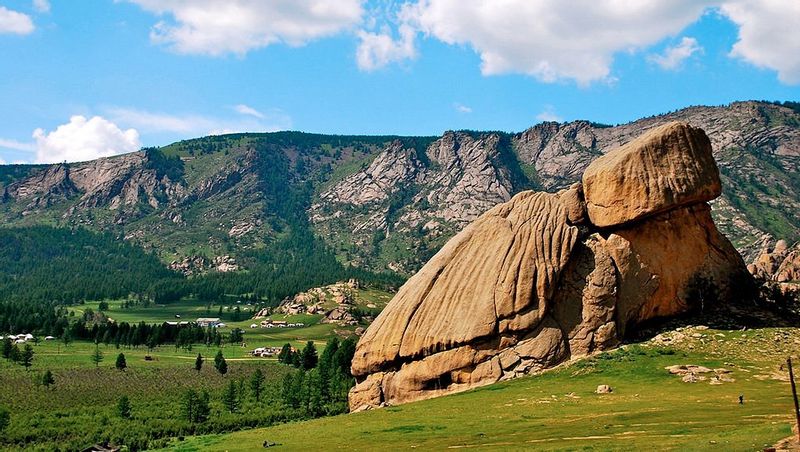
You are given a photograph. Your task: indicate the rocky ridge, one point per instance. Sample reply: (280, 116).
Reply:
(421, 200)
(391, 202)
(542, 278)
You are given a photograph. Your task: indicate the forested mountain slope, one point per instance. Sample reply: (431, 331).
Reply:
(382, 202)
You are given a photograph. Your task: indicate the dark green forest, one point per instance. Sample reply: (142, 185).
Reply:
(46, 268)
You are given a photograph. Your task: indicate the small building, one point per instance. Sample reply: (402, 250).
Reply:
(49, 338)
(253, 325)
(212, 322)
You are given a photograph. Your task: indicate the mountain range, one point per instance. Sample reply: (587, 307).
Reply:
(385, 202)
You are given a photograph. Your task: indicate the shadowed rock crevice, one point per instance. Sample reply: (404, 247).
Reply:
(545, 277)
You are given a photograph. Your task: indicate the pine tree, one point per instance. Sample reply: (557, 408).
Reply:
(220, 364)
(309, 357)
(47, 378)
(124, 407)
(230, 398)
(257, 384)
(15, 354)
(196, 406)
(198, 363)
(26, 359)
(7, 346)
(121, 364)
(285, 355)
(97, 356)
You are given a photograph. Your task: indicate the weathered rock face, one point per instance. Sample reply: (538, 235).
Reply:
(534, 282)
(779, 263)
(668, 166)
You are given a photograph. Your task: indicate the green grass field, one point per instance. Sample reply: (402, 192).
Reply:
(559, 410)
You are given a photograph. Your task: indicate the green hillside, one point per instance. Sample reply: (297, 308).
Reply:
(649, 408)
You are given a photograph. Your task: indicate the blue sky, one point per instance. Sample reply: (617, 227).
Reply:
(83, 79)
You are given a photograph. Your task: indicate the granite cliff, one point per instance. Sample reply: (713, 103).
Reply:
(546, 277)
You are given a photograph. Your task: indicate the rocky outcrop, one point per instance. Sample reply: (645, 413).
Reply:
(778, 263)
(535, 281)
(667, 167)
(756, 145)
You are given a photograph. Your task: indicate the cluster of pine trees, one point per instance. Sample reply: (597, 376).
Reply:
(13, 353)
(320, 385)
(143, 334)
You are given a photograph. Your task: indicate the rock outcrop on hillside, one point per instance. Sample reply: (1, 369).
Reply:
(778, 263)
(541, 278)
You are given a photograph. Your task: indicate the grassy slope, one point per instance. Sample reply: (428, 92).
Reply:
(559, 410)
(82, 402)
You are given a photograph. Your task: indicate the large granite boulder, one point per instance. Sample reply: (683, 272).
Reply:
(667, 167)
(536, 281)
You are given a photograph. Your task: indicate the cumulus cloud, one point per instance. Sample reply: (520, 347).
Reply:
(42, 6)
(249, 111)
(193, 125)
(84, 139)
(768, 35)
(674, 56)
(551, 39)
(216, 28)
(13, 22)
(549, 115)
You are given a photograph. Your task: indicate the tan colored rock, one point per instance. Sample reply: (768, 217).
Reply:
(585, 306)
(367, 394)
(779, 263)
(573, 201)
(502, 267)
(667, 167)
(656, 275)
(604, 389)
(524, 288)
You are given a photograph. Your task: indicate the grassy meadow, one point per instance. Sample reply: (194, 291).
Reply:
(649, 408)
(80, 408)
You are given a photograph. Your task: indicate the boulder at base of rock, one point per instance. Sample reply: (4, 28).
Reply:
(667, 167)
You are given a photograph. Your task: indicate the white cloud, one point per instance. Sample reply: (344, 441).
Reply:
(551, 40)
(84, 139)
(13, 22)
(377, 50)
(768, 35)
(549, 115)
(194, 125)
(462, 108)
(248, 110)
(213, 27)
(674, 56)
(42, 6)
(17, 145)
